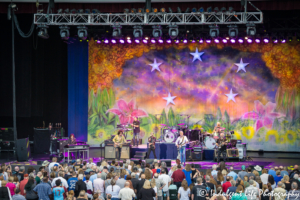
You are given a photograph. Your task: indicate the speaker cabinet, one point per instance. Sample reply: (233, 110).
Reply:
(23, 149)
(110, 152)
(125, 152)
(232, 153)
(198, 155)
(61, 144)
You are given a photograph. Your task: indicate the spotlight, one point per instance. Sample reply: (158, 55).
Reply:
(282, 39)
(147, 10)
(117, 30)
(67, 11)
(114, 41)
(216, 9)
(163, 10)
(201, 41)
(233, 31)
(59, 11)
(179, 10)
(176, 41)
(126, 10)
(95, 11)
(232, 40)
(140, 10)
(173, 31)
(138, 32)
(80, 11)
(137, 41)
(87, 11)
(43, 32)
(240, 40)
(194, 10)
(251, 30)
(224, 41)
(98, 41)
(169, 41)
(122, 41)
(257, 39)
(275, 39)
(217, 41)
(266, 39)
(153, 41)
(249, 40)
(170, 10)
(187, 10)
(208, 40)
(82, 32)
(155, 10)
(106, 41)
(201, 9)
(64, 32)
(129, 41)
(145, 41)
(133, 10)
(185, 41)
(160, 41)
(157, 32)
(209, 9)
(214, 31)
(223, 9)
(230, 9)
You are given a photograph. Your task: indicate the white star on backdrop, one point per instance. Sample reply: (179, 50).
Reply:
(197, 55)
(241, 65)
(231, 96)
(169, 99)
(155, 65)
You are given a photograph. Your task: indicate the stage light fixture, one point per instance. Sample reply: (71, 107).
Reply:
(87, 11)
(251, 30)
(129, 41)
(208, 40)
(163, 10)
(59, 11)
(153, 41)
(82, 32)
(176, 41)
(122, 41)
(67, 11)
(170, 10)
(266, 39)
(43, 32)
(209, 9)
(133, 10)
(179, 10)
(126, 10)
(80, 11)
(185, 41)
(117, 30)
(249, 40)
(173, 31)
(232, 40)
(145, 41)
(274, 39)
(147, 10)
(194, 10)
(73, 11)
(216, 40)
(290, 37)
(187, 10)
(155, 10)
(169, 41)
(64, 32)
(282, 39)
(95, 11)
(223, 9)
(114, 41)
(156, 32)
(240, 40)
(106, 41)
(214, 31)
(233, 31)
(257, 39)
(216, 9)
(224, 41)
(138, 32)
(140, 10)
(160, 41)
(201, 10)
(137, 41)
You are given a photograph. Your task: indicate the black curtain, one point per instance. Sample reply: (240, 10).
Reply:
(41, 78)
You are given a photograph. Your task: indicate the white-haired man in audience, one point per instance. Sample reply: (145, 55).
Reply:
(252, 192)
(63, 181)
(214, 170)
(279, 192)
(294, 193)
(126, 193)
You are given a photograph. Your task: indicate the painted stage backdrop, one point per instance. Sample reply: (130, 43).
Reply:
(252, 89)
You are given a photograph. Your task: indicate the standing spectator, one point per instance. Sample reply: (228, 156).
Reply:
(121, 182)
(246, 183)
(250, 174)
(173, 169)
(141, 183)
(16, 181)
(153, 185)
(283, 171)
(128, 179)
(258, 180)
(239, 195)
(126, 193)
(80, 185)
(242, 173)
(286, 181)
(294, 193)
(98, 185)
(279, 192)
(252, 192)
(220, 178)
(295, 179)
(184, 191)
(258, 169)
(11, 186)
(167, 180)
(72, 181)
(271, 181)
(18, 195)
(295, 170)
(210, 186)
(188, 174)
(266, 189)
(58, 191)
(135, 182)
(29, 193)
(113, 190)
(226, 185)
(264, 177)
(89, 187)
(63, 181)
(214, 171)
(146, 192)
(70, 195)
(43, 190)
(232, 173)
(38, 177)
(160, 184)
(198, 190)
(82, 196)
(278, 177)
(272, 172)
(3, 190)
(108, 180)
(178, 176)
(23, 183)
(231, 190)
(54, 162)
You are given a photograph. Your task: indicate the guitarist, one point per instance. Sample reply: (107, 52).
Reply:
(151, 147)
(222, 144)
(136, 131)
(180, 143)
(118, 143)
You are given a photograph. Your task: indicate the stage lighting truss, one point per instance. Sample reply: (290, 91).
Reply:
(43, 32)
(149, 18)
(64, 32)
(173, 31)
(117, 33)
(82, 33)
(157, 32)
(214, 31)
(138, 32)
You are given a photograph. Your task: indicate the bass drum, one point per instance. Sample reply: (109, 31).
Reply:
(169, 136)
(210, 143)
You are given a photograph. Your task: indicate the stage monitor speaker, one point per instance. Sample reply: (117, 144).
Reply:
(232, 153)
(167, 161)
(150, 161)
(221, 156)
(197, 155)
(23, 149)
(125, 152)
(109, 152)
(136, 161)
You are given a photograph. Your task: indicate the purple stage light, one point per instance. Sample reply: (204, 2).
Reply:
(249, 40)
(153, 41)
(185, 41)
(217, 41)
(106, 41)
(201, 41)
(145, 41)
(169, 41)
(122, 41)
(224, 41)
(257, 40)
(193, 41)
(240, 40)
(137, 41)
(98, 41)
(275, 41)
(232, 41)
(129, 41)
(266, 40)
(113, 41)
(160, 41)
(177, 41)
(208, 41)
(283, 41)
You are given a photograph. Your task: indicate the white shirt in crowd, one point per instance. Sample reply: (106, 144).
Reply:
(179, 140)
(64, 182)
(166, 178)
(184, 195)
(155, 190)
(264, 178)
(113, 191)
(126, 194)
(89, 186)
(52, 165)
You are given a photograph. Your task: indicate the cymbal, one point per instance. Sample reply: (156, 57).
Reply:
(181, 124)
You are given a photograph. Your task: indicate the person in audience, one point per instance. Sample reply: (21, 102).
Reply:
(283, 171)
(51, 165)
(184, 192)
(98, 185)
(287, 183)
(108, 180)
(16, 181)
(126, 193)
(199, 189)
(239, 194)
(242, 173)
(266, 192)
(43, 190)
(173, 169)
(250, 174)
(232, 173)
(70, 196)
(264, 177)
(258, 180)
(63, 181)
(167, 180)
(220, 178)
(28, 190)
(23, 183)
(58, 191)
(3, 190)
(178, 176)
(11, 186)
(214, 171)
(128, 179)
(278, 177)
(272, 172)
(188, 174)
(279, 192)
(113, 190)
(121, 182)
(141, 183)
(252, 192)
(18, 195)
(72, 181)
(246, 183)
(134, 181)
(218, 195)
(231, 190)
(81, 186)
(82, 195)
(271, 181)
(226, 185)
(153, 185)
(89, 187)
(146, 192)
(294, 193)
(160, 184)
(296, 180)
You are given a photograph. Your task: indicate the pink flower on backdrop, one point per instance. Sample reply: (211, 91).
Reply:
(127, 112)
(263, 114)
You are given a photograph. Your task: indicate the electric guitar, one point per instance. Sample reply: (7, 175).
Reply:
(153, 143)
(119, 144)
(181, 144)
(221, 145)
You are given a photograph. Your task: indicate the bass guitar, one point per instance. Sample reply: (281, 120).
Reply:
(119, 144)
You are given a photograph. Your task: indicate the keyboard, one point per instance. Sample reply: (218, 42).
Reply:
(77, 146)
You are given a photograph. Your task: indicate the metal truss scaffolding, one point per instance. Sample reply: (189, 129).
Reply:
(149, 18)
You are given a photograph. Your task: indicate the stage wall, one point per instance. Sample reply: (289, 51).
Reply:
(266, 111)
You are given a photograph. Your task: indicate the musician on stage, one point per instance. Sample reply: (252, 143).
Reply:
(72, 139)
(119, 140)
(151, 147)
(136, 131)
(222, 146)
(218, 128)
(181, 144)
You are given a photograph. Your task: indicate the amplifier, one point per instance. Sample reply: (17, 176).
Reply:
(197, 155)
(7, 134)
(61, 144)
(110, 152)
(232, 153)
(197, 148)
(5, 145)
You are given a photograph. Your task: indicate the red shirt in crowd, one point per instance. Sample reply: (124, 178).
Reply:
(225, 186)
(22, 186)
(178, 176)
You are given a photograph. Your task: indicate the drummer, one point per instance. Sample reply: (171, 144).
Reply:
(218, 128)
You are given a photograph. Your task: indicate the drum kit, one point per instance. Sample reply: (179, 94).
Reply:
(125, 128)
